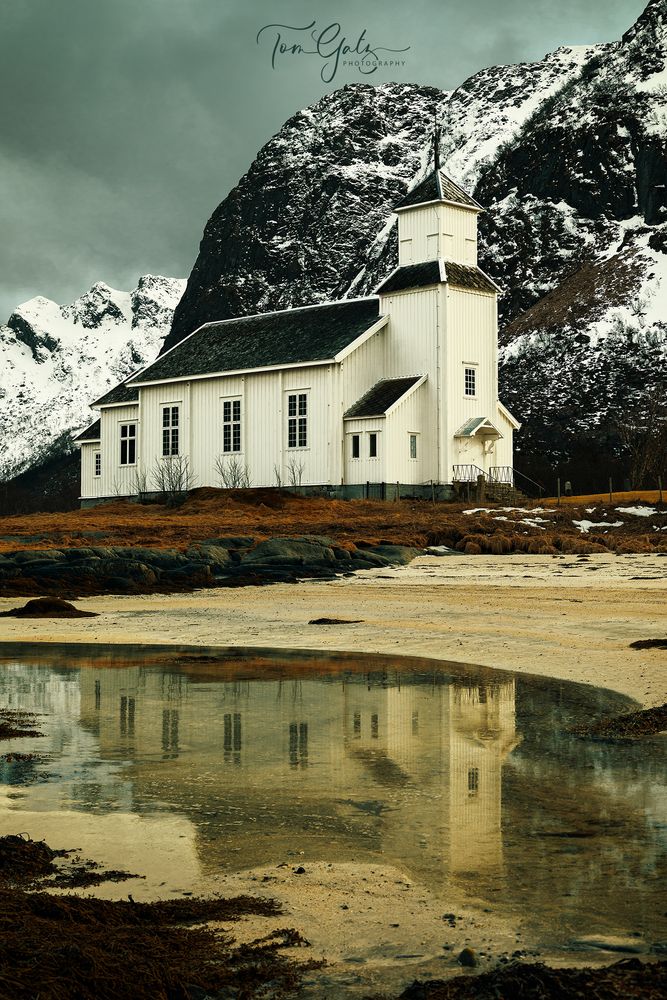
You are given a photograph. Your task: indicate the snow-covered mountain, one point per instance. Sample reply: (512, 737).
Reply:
(55, 359)
(568, 155)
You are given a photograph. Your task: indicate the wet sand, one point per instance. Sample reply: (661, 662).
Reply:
(568, 617)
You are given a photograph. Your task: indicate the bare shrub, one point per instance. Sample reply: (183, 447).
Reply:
(295, 470)
(172, 478)
(139, 485)
(278, 476)
(233, 474)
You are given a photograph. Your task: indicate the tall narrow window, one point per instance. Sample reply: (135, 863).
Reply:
(470, 381)
(413, 445)
(372, 445)
(473, 780)
(98, 464)
(355, 446)
(297, 420)
(170, 428)
(128, 444)
(231, 425)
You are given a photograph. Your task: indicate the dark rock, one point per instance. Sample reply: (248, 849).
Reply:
(211, 555)
(289, 552)
(468, 958)
(47, 607)
(335, 621)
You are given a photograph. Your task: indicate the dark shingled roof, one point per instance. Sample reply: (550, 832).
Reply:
(91, 433)
(122, 393)
(412, 276)
(311, 333)
(466, 276)
(428, 273)
(437, 187)
(382, 396)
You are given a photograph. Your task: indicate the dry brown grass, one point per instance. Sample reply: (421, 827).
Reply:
(211, 513)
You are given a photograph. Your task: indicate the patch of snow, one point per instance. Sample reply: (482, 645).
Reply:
(639, 511)
(585, 526)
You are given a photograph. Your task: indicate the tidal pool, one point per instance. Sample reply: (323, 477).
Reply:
(191, 765)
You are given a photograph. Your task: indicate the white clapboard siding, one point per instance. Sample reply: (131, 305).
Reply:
(366, 469)
(412, 335)
(116, 479)
(471, 341)
(91, 485)
(438, 230)
(412, 415)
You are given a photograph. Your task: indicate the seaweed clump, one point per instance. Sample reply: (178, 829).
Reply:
(63, 947)
(629, 979)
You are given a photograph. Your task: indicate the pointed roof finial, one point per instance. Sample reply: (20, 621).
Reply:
(436, 143)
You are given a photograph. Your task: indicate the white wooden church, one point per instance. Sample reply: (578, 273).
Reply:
(400, 387)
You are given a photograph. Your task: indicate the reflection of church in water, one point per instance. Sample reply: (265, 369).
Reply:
(408, 768)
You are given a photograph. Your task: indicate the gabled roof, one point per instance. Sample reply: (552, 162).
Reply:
(382, 396)
(91, 433)
(437, 186)
(290, 336)
(122, 393)
(432, 272)
(478, 425)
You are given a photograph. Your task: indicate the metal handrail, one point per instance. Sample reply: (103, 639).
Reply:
(467, 473)
(507, 474)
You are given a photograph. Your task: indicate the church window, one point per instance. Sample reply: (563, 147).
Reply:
(470, 381)
(473, 780)
(128, 444)
(231, 425)
(98, 464)
(170, 429)
(413, 445)
(355, 446)
(372, 445)
(297, 420)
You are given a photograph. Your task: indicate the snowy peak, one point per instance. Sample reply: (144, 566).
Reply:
(101, 304)
(56, 359)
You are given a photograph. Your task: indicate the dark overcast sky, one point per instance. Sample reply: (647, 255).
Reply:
(123, 123)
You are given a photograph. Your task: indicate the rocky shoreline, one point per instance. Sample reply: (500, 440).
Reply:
(214, 562)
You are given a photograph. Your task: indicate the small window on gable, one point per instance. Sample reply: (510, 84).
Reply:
(97, 459)
(297, 420)
(413, 445)
(170, 430)
(372, 445)
(356, 449)
(231, 425)
(128, 444)
(470, 381)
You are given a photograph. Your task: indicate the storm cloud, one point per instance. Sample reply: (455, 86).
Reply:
(123, 123)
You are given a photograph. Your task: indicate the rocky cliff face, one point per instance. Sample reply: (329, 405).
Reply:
(55, 359)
